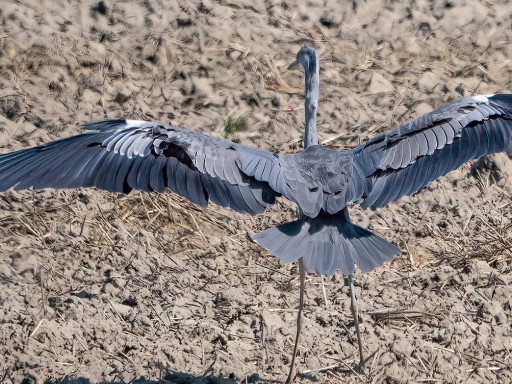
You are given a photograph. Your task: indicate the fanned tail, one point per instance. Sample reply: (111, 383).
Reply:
(327, 243)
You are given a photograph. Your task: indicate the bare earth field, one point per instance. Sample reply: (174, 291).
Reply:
(101, 287)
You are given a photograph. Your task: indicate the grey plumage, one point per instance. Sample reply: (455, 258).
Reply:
(402, 161)
(327, 243)
(121, 155)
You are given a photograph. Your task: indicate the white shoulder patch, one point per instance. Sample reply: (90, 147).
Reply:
(482, 98)
(135, 123)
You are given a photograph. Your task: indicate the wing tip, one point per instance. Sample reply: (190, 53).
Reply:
(503, 99)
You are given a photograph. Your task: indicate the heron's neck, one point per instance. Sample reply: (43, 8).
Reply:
(312, 90)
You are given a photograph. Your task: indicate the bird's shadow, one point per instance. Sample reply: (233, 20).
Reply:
(169, 378)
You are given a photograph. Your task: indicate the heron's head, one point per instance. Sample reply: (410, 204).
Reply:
(306, 60)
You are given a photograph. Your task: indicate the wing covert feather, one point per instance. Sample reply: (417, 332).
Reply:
(121, 155)
(403, 161)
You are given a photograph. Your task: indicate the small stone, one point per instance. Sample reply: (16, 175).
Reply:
(98, 48)
(422, 109)
(123, 310)
(379, 84)
(202, 86)
(428, 81)
(115, 65)
(146, 321)
(91, 97)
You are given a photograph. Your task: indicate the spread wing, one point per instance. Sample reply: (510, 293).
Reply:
(401, 162)
(121, 155)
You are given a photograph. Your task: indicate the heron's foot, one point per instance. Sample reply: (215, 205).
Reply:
(291, 375)
(359, 368)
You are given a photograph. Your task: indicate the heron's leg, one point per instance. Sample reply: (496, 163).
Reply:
(355, 315)
(300, 318)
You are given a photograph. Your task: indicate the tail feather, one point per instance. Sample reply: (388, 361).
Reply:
(327, 243)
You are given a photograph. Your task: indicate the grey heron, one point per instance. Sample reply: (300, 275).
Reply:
(122, 155)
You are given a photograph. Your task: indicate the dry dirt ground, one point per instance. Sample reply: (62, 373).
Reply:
(100, 287)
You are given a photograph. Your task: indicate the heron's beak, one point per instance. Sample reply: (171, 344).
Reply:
(296, 66)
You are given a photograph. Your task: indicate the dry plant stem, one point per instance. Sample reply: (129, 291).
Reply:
(300, 318)
(355, 315)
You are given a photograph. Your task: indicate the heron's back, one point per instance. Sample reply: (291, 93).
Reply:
(319, 178)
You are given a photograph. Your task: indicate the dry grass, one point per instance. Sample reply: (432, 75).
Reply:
(485, 234)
